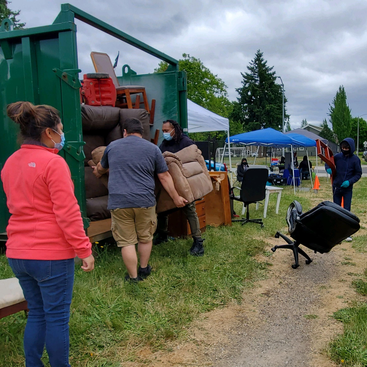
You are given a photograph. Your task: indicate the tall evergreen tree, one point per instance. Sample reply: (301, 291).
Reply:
(326, 132)
(340, 115)
(259, 104)
(5, 12)
(304, 123)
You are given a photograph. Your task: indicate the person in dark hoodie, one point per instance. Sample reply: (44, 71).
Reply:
(174, 141)
(348, 172)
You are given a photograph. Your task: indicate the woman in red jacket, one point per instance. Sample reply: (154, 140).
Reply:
(45, 231)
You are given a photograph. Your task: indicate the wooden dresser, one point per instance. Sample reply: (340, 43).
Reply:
(213, 209)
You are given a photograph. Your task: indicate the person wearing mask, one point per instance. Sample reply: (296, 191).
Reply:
(45, 230)
(174, 141)
(348, 172)
(304, 168)
(132, 163)
(241, 169)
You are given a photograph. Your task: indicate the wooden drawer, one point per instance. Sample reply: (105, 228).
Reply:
(178, 226)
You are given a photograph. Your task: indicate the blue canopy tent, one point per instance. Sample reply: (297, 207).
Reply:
(270, 138)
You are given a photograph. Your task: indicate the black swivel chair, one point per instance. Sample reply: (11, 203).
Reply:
(252, 190)
(319, 229)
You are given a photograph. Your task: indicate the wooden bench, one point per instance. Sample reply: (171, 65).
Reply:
(11, 297)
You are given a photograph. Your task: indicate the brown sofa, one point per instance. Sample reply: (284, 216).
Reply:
(102, 125)
(190, 176)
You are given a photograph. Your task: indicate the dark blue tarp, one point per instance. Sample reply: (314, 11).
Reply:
(265, 137)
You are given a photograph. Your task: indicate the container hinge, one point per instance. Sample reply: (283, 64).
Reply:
(74, 148)
(69, 76)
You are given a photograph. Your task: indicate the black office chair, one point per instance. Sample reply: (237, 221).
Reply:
(252, 190)
(319, 229)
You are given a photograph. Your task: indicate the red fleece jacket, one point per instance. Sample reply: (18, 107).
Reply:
(45, 222)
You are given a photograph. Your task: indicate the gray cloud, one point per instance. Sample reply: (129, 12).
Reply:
(315, 45)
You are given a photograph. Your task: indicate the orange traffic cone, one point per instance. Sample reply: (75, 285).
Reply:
(316, 185)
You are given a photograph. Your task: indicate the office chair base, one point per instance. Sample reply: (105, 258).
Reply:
(294, 246)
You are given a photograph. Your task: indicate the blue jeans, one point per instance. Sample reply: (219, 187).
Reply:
(47, 286)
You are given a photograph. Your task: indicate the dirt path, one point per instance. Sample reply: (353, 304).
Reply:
(284, 321)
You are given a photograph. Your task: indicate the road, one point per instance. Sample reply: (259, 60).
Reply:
(320, 171)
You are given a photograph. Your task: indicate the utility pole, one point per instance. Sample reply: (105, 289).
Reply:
(282, 84)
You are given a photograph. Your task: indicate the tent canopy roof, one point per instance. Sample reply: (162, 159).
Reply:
(265, 137)
(307, 142)
(202, 120)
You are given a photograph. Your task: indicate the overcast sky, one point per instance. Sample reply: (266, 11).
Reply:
(314, 45)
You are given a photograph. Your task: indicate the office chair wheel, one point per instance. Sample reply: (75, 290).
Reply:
(274, 249)
(276, 235)
(308, 262)
(295, 266)
(262, 226)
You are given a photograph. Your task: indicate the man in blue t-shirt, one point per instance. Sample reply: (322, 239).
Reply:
(132, 163)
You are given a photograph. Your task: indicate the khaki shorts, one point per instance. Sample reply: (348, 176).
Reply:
(132, 225)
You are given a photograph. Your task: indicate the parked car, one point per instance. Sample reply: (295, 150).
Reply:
(218, 166)
(226, 154)
(365, 155)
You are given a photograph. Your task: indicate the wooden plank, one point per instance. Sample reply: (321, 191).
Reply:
(217, 202)
(99, 230)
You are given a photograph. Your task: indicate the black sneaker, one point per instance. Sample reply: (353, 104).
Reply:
(144, 272)
(133, 280)
(160, 238)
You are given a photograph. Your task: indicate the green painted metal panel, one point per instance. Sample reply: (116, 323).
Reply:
(30, 76)
(40, 65)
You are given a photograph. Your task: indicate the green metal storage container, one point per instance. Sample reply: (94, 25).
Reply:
(40, 65)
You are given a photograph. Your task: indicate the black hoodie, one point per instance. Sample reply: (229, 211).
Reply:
(348, 168)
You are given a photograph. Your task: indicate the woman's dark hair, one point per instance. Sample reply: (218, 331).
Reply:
(133, 126)
(178, 129)
(33, 120)
(244, 161)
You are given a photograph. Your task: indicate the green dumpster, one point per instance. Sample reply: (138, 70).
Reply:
(40, 65)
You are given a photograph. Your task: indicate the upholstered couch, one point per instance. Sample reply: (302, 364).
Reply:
(190, 176)
(101, 125)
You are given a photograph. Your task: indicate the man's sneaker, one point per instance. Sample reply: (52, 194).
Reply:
(144, 272)
(197, 249)
(349, 239)
(133, 280)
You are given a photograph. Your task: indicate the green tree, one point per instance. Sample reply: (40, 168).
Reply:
(362, 132)
(5, 12)
(326, 132)
(304, 123)
(205, 89)
(259, 104)
(340, 115)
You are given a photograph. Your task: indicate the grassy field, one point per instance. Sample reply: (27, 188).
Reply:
(111, 320)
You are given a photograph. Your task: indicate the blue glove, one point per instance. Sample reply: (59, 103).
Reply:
(329, 171)
(345, 184)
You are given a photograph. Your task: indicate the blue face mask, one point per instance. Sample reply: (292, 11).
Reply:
(167, 136)
(60, 145)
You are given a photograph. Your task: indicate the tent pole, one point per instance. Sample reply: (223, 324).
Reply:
(229, 152)
(309, 168)
(292, 168)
